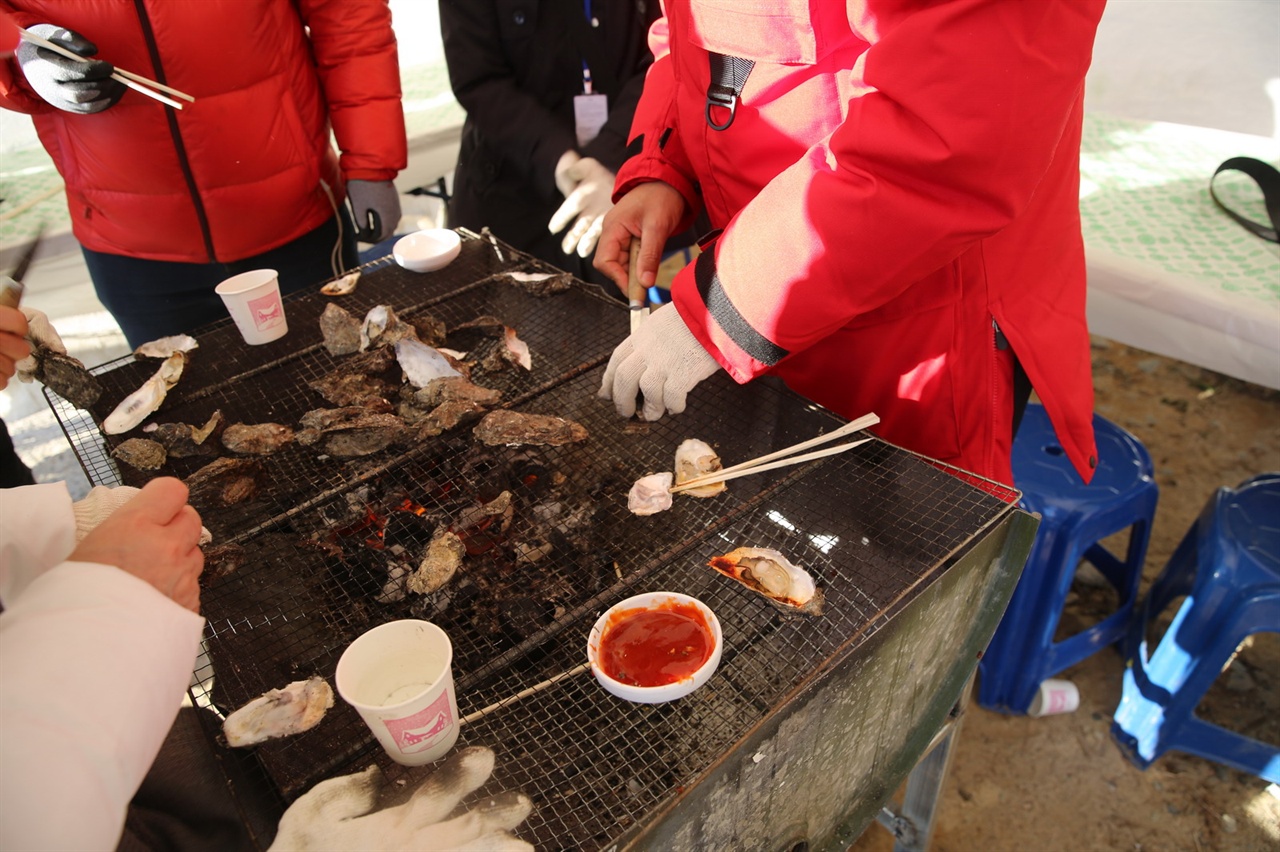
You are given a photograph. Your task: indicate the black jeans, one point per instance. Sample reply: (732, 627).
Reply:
(151, 299)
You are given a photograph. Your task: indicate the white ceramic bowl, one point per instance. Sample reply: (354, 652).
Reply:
(427, 251)
(654, 694)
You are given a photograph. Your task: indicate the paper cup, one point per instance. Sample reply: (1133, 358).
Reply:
(253, 300)
(1053, 697)
(399, 677)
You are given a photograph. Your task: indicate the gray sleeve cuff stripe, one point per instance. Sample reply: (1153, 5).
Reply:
(726, 315)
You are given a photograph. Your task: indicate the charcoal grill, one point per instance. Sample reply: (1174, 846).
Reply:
(809, 723)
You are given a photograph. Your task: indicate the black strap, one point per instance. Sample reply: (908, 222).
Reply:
(1268, 179)
(728, 76)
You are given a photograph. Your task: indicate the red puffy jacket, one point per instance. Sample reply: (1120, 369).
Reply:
(245, 168)
(898, 189)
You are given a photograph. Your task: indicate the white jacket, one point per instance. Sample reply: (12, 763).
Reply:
(93, 666)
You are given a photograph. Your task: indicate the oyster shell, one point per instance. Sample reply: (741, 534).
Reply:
(166, 346)
(422, 363)
(349, 432)
(542, 283)
(182, 440)
(257, 439)
(695, 458)
(514, 428)
(440, 562)
(67, 377)
(382, 327)
(279, 713)
(225, 482)
(340, 330)
(142, 453)
(768, 572)
(137, 406)
(650, 494)
(454, 389)
(343, 286)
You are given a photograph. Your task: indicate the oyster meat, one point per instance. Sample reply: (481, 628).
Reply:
(279, 713)
(142, 453)
(257, 439)
(768, 572)
(650, 494)
(513, 428)
(225, 482)
(439, 562)
(695, 458)
(340, 330)
(137, 406)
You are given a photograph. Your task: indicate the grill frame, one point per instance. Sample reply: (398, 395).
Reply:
(596, 767)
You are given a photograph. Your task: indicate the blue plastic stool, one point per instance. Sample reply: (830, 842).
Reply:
(1075, 518)
(1227, 569)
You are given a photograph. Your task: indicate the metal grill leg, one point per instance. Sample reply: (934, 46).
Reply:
(913, 824)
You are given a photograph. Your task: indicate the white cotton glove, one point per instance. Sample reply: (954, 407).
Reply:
(339, 814)
(101, 501)
(564, 183)
(662, 360)
(375, 205)
(40, 332)
(589, 197)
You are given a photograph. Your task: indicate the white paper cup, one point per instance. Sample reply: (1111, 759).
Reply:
(399, 677)
(253, 300)
(1053, 697)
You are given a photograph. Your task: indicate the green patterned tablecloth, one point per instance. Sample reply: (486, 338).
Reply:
(1169, 271)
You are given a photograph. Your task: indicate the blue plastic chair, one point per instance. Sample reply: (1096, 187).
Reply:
(1227, 570)
(1075, 518)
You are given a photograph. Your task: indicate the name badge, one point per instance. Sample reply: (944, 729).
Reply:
(589, 114)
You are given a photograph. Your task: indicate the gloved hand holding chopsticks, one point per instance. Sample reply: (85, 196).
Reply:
(342, 813)
(662, 360)
(79, 87)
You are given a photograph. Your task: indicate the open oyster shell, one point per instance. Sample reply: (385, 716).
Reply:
(695, 458)
(788, 587)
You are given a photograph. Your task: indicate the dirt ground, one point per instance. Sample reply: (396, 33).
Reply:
(1060, 782)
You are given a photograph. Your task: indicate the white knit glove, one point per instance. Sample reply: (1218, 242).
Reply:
(662, 360)
(339, 814)
(588, 189)
(101, 501)
(40, 332)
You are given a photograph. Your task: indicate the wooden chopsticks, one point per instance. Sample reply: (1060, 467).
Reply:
(137, 82)
(766, 462)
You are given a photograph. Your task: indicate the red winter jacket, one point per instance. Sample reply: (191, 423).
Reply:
(243, 169)
(900, 179)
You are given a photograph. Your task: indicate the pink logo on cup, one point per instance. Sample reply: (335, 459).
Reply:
(267, 312)
(424, 728)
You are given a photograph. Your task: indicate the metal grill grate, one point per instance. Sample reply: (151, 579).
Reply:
(871, 525)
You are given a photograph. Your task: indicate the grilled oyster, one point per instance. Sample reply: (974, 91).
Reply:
(382, 327)
(225, 482)
(514, 428)
(342, 286)
(279, 712)
(257, 439)
(454, 389)
(768, 572)
(340, 330)
(650, 494)
(349, 432)
(67, 377)
(695, 458)
(137, 406)
(444, 417)
(142, 453)
(542, 283)
(439, 562)
(182, 440)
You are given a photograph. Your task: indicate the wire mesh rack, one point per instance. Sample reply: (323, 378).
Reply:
(309, 560)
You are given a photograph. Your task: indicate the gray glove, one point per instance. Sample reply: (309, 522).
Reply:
(375, 205)
(662, 360)
(79, 87)
(339, 814)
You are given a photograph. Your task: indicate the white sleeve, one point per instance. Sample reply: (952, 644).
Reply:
(37, 531)
(93, 666)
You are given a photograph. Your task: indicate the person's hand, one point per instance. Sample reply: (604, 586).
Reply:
(375, 205)
(590, 196)
(68, 84)
(155, 537)
(13, 344)
(652, 212)
(662, 360)
(339, 814)
(40, 333)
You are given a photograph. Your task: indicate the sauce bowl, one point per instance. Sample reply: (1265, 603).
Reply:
(655, 627)
(427, 251)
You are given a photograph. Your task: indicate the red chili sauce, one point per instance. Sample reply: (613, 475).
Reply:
(655, 646)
